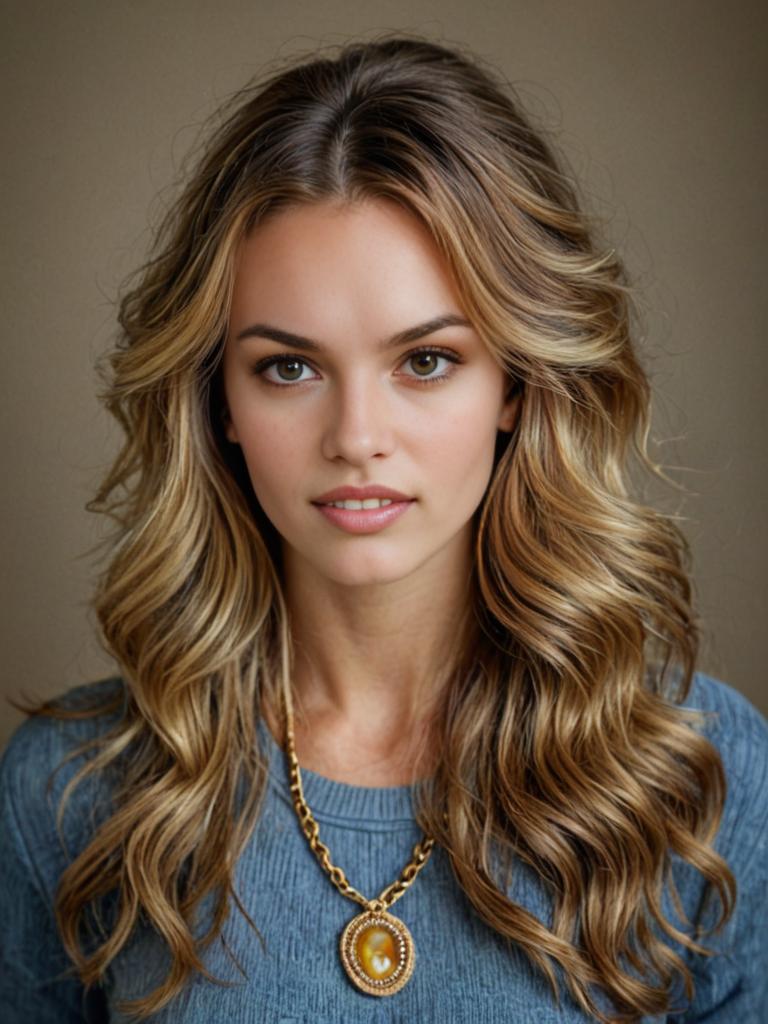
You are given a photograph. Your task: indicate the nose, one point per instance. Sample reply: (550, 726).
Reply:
(358, 423)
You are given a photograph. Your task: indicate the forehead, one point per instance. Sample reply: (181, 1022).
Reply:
(334, 264)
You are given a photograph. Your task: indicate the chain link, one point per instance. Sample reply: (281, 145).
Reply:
(311, 829)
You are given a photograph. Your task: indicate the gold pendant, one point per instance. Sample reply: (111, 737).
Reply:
(377, 952)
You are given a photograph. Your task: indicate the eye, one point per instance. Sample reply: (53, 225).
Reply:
(425, 358)
(293, 365)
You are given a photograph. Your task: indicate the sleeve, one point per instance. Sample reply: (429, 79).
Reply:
(732, 987)
(36, 980)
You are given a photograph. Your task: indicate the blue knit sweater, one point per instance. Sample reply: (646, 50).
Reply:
(464, 971)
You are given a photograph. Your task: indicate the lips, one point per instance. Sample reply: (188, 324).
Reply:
(349, 493)
(364, 520)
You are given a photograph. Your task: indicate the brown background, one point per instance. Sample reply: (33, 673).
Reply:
(659, 108)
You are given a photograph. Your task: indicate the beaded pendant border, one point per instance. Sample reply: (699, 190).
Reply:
(377, 952)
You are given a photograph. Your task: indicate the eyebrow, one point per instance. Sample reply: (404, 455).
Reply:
(437, 323)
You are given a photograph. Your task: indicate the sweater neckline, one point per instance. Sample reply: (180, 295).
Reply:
(368, 806)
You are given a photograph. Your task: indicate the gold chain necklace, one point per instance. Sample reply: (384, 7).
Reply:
(376, 948)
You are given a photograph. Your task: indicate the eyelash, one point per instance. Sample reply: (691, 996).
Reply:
(264, 364)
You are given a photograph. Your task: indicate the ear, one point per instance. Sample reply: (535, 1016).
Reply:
(229, 427)
(511, 408)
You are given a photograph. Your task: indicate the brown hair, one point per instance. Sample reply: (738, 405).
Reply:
(564, 743)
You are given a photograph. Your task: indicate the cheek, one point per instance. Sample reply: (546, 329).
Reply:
(272, 453)
(464, 446)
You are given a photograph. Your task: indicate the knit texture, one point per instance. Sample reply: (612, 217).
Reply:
(464, 971)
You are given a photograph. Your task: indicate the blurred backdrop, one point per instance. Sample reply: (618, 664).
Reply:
(659, 110)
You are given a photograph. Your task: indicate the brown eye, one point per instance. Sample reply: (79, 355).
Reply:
(288, 369)
(294, 371)
(424, 361)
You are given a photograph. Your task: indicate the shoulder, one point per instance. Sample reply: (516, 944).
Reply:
(733, 984)
(739, 732)
(42, 756)
(40, 744)
(727, 706)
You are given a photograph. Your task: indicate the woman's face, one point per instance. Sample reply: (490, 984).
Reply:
(352, 410)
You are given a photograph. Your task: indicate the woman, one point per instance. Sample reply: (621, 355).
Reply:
(391, 628)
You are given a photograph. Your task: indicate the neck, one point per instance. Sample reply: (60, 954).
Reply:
(370, 665)
(376, 652)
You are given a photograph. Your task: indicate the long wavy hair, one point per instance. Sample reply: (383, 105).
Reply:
(562, 736)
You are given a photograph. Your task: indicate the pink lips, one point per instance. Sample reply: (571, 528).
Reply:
(360, 494)
(363, 520)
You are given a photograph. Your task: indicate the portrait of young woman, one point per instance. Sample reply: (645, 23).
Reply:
(409, 724)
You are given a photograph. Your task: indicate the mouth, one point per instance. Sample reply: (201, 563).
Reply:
(354, 504)
(379, 514)
(348, 492)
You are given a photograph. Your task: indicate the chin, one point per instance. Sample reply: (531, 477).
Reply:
(356, 568)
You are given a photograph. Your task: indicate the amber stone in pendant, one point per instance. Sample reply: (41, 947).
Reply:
(377, 952)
